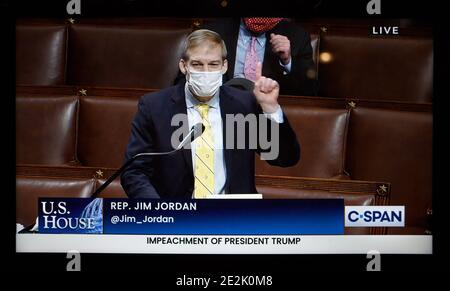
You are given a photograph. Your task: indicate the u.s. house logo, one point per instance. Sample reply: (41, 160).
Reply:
(71, 215)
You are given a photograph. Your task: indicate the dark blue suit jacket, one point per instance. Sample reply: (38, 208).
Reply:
(172, 176)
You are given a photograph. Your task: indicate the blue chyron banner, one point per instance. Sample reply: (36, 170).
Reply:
(202, 217)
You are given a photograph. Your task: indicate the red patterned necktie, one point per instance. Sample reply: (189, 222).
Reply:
(251, 59)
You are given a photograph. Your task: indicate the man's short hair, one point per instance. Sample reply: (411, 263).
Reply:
(201, 36)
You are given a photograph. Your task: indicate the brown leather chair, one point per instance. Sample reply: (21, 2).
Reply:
(40, 53)
(144, 53)
(365, 67)
(30, 188)
(395, 146)
(134, 55)
(322, 133)
(46, 129)
(104, 129)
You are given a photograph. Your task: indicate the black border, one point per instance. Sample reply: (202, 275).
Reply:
(284, 268)
(214, 8)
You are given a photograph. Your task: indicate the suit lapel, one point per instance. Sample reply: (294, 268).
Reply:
(269, 56)
(227, 106)
(179, 107)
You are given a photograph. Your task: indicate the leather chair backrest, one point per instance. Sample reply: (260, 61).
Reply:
(322, 133)
(377, 68)
(29, 189)
(395, 146)
(46, 129)
(104, 129)
(135, 56)
(41, 54)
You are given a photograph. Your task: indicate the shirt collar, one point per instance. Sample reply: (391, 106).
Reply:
(261, 38)
(191, 101)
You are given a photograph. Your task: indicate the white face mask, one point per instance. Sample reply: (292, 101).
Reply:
(204, 84)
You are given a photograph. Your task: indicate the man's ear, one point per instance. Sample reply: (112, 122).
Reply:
(225, 66)
(182, 66)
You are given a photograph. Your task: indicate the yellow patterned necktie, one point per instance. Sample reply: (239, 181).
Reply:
(204, 157)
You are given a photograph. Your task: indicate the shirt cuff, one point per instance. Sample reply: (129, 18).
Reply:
(277, 116)
(287, 68)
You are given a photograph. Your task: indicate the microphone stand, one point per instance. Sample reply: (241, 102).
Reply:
(195, 132)
(114, 176)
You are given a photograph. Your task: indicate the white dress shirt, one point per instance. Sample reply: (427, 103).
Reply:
(243, 42)
(215, 119)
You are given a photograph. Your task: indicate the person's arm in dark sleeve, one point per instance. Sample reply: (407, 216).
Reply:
(136, 178)
(288, 147)
(301, 78)
(304, 67)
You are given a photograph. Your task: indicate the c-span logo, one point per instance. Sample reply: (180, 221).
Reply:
(383, 216)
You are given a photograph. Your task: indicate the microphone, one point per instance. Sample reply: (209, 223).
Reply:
(195, 132)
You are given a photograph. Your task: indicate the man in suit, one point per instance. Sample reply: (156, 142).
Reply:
(210, 166)
(283, 48)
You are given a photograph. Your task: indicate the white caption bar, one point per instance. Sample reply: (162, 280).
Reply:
(304, 244)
